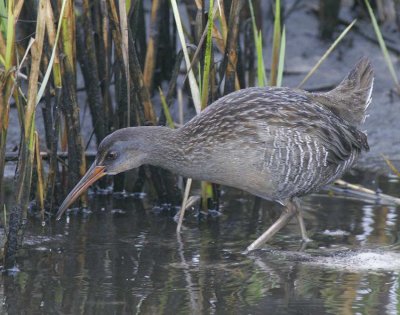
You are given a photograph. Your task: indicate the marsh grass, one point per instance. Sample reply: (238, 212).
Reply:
(40, 180)
(391, 166)
(257, 35)
(167, 113)
(327, 53)
(281, 62)
(382, 44)
(276, 44)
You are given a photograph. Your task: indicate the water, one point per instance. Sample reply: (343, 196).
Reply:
(125, 258)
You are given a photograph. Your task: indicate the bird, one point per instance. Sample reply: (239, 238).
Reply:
(276, 143)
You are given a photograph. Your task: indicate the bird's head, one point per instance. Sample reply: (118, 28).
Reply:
(122, 150)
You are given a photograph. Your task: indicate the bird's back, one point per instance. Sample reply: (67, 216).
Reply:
(276, 143)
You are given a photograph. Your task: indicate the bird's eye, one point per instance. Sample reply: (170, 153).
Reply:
(112, 155)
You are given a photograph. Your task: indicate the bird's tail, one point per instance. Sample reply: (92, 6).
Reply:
(351, 97)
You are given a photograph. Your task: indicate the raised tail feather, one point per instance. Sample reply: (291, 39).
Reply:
(352, 96)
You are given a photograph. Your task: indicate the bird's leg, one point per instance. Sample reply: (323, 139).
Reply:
(290, 210)
(299, 217)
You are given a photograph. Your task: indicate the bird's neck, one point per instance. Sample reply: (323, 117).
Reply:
(168, 150)
(164, 147)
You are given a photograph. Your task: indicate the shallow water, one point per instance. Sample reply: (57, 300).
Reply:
(125, 258)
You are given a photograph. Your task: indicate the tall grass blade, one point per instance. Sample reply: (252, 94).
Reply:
(276, 42)
(391, 166)
(53, 54)
(327, 53)
(125, 54)
(222, 21)
(168, 117)
(40, 181)
(152, 44)
(281, 62)
(3, 19)
(184, 202)
(200, 46)
(10, 35)
(194, 89)
(7, 84)
(207, 57)
(261, 76)
(382, 44)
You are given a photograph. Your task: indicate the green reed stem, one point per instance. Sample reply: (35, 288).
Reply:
(382, 44)
(207, 58)
(276, 42)
(261, 76)
(168, 117)
(281, 62)
(194, 89)
(326, 54)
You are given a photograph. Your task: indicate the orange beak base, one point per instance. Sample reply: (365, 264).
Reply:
(93, 174)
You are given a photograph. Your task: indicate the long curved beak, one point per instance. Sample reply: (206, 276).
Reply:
(93, 174)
